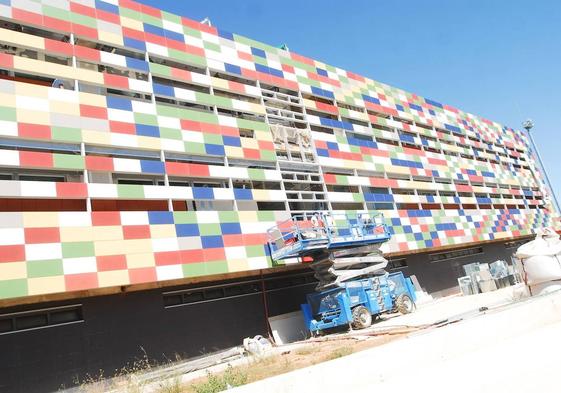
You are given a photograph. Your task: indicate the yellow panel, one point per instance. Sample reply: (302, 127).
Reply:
(131, 23)
(86, 75)
(220, 83)
(64, 107)
(257, 108)
(8, 100)
(147, 142)
(232, 151)
(36, 117)
(249, 143)
(41, 285)
(96, 137)
(162, 231)
(27, 89)
(110, 38)
(112, 247)
(75, 234)
(101, 233)
(260, 195)
(238, 265)
(44, 68)
(40, 219)
(247, 216)
(13, 270)
(113, 278)
(140, 260)
(21, 39)
(92, 99)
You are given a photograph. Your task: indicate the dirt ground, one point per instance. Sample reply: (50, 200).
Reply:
(320, 350)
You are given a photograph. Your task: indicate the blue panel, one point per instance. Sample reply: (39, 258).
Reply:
(452, 128)
(174, 36)
(275, 72)
(483, 200)
(430, 198)
(203, 193)
(261, 68)
(119, 103)
(471, 172)
(416, 107)
(184, 230)
(146, 130)
(407, 163)
(396, 222)
(346, 125)
(163, 90)
(232, 69)
(231, 141)
(148, 166)
(137, 64)
(321, 72)
(433, 103)
(101, 5)
(157, 218)
(406, 138)
(320, 92)
(148, 28)
(243, 194)
(135, 44)
(225, 34)
(432, 112)
(407, 229)
(332, 146)
(370, 99)
(212, 242)
(258, 52)
(216, 150)
(399, 107)
(487, 174)
(230, 228)
(322, 152)
(434, 235)
(5, 2)
(418, 236)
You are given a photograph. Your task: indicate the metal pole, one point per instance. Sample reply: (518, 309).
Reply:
(528, 126)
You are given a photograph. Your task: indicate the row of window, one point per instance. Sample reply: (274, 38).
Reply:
(42, 318)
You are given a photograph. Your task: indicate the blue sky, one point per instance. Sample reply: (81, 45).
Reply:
(495, 58)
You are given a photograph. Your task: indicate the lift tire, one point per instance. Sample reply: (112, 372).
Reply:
(361, 318)
(404, 304)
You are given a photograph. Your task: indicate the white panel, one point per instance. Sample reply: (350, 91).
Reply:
(235, 252)
(223, 194)
(8, 128)
(172, 26)
(102, 190)
(79, 265)
(112, 58)
(74, 219)
(156, 49)
(120, 115)
(139, 85)
(38, 189)
(169, 272)
(126, 165)
(9, 157)
(32, 103)
(37, 252)
(185, 94)
(165, 244)
(134, 218)
(9, 236)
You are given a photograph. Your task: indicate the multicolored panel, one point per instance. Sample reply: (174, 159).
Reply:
(43, 253)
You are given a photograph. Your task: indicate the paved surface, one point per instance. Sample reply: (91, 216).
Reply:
(514, 348)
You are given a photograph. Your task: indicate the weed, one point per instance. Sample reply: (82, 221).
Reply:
(339, 353)
(306, 350)
(216, 383)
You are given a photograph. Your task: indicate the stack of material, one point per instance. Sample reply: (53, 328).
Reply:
(540, 262)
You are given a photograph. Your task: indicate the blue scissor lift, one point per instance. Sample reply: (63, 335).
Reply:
(353, 286)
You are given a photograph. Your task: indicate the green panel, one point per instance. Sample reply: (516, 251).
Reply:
(68, 161)
(58, 13)
(195, 148)
(171, 17)
(210, 229)
(151, 20)
(184, 217)
(213, 138)
(170, 133)
(132, 14)
(266, 215)
(13, 288)
(147, 119)
(78, 249)
(130, 191)
(228, 216)
(256, 174)
(268, 155)
(8, 114)
(194, 269)
(159, 69)
(67, 134)
(84, 20)
(187, 58)
(216, 267)
(192, 32)
(46, 268)
(255, 251)
(212, 46)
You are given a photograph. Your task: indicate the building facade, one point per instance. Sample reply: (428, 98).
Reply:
(143, 156)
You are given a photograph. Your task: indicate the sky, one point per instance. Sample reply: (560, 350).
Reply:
(495, 58)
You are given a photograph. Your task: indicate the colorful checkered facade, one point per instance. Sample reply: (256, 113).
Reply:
(179, 116)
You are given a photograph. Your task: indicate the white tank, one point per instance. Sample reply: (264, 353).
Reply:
(541, 262)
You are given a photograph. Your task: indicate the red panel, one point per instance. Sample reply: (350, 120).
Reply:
(77, 282)
(156, 39)
(82, 9)
(95, 163)
(56, 24)
(214, 254)
(58, 47)
(25, 16)
(236, 86)
(106, 218)
(116, 81)
(111, 262)
(7, 60)
(210, 128)
(84, 31)
(42, 235)
(198, 170)
(190, 125)
(181, 74)
(71, 190)
(177, 45)
(108, 16)
(146, 9)
(326, 107)
(122, 128)
(132, 5)
(436, 161)
(136, 231)
(96, 112)
(131, 33)
(230, 131)
(245, 56)
(266, 145)
(13, 253)
(288, 68)
(254, 239)
(233, 240)
(82, 52)
(251, 153)
(145, 274)
(302, 59)
(198, 26)
(35, 131)
(167, 258)
(192, 256)
(37, 159)
(195, 50)
(177, 168)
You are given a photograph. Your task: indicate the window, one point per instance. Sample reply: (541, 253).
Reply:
(41, 318)
(442, 256)
(397, 263)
